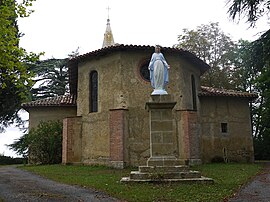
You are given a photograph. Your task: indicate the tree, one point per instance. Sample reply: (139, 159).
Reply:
(215, 48)
(42, 144)
(260, 59)
(15, 76)
(51, 78)
(251, 9)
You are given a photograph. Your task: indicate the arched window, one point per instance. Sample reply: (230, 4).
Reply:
(144, 71)
(194, 93)
(93, 92)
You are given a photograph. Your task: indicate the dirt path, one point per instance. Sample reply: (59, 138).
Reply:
(19, 185)
(257, 190)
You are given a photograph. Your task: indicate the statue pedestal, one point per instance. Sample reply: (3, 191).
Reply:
(162, 138)
(159, 92)
(163, 164)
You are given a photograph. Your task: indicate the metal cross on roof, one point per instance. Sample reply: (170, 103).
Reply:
(108, 8)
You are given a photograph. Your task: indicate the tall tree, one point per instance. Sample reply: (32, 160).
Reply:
(260, 59)
(15, 76)
(251, 9)
(214, 47)
(51, 78)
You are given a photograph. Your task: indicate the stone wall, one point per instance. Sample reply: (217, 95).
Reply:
(118, 129)
(72, 140)
(234, 145)
(120, 86)
(189, 141)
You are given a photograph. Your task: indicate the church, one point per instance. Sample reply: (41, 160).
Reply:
(105, 120)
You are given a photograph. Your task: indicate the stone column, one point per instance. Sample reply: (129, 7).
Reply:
(118, 130)
(72, 140)
(189, 137)
(163, 146)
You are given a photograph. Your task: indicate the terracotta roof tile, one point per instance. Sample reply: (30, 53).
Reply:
(209, 91)
(63, 100)
(104, 51)
(73, 63)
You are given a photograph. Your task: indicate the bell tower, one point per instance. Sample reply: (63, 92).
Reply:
(108, 36)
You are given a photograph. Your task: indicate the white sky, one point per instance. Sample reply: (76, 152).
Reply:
(58, 27)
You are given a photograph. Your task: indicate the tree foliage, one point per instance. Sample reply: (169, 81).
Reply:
(7, 160)
(251, 9)
(259, 53)
(42, 145)
(214, 47)
(51, 78)
(15, 75)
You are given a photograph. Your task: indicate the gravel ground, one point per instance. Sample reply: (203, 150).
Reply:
(258, 190)
(18, 185)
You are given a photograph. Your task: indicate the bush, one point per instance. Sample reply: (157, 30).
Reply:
(262, 146)
(7, 160)
(42, 145)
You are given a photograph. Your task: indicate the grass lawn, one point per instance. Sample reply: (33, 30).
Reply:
(228, 178)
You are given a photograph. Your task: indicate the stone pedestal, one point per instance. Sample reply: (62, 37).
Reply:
(162, 139)
(163, 164)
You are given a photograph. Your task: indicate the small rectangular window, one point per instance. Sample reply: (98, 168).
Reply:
(224, 127)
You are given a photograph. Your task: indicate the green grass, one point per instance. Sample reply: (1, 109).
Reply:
(228, 179)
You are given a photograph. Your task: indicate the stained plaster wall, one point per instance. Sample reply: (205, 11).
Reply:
(37, 114)
(120, 86)
(236, 144)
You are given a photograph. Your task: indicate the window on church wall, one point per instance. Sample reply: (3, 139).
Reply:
(144, 71)
(194, 93)
(224, 127)
(93, 91)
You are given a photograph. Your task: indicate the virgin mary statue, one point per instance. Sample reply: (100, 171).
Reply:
(158, 72)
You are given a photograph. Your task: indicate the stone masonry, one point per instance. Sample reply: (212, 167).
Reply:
(118, 127)
(163, 164)
(72, 140)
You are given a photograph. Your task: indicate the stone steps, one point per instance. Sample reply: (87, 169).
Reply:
(201, 180)
(164, 175)
(154, 169)
(180, 173)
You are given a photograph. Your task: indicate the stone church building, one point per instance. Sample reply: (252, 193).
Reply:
(105, 120)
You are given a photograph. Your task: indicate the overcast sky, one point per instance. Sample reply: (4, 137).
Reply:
(58, 27)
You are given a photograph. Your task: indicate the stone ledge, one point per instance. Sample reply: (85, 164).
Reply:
(201, 180)
(158, 169)
(165, 161)
(134, 175)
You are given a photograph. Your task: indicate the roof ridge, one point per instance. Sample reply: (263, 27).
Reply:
(212, 91)
(59, 100)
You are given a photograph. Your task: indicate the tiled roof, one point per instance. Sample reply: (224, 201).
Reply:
(209, 91)
(104, 51)
(63, 100)
(73, 63)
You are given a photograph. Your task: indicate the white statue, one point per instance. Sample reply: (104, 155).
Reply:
(158, 72)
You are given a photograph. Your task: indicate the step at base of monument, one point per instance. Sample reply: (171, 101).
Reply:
(166, 175)
(160, 169)
(201, 180)
(180, 174)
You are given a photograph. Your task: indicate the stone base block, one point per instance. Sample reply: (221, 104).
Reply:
(201, 180)
(137, 175)
(163, 161)
(159, 169)
(166, 174)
